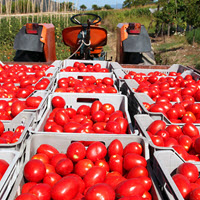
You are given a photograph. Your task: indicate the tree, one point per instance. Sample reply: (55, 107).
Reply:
(130, 3)
(95, 7)
(107, 7)
(83, 7)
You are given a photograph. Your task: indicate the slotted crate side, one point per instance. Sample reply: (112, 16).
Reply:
(10, 176)
(61, 142)
(74, 100)
(22, 119)
(164, 165)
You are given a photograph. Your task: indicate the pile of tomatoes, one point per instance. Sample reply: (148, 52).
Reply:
(11, 108)
(81, 67)
(7, 137)
(89, 84)
(3, 167)
(184, 139)
(99, 118)
(87, 173)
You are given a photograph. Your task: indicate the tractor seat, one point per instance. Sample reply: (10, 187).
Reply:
(98, 36)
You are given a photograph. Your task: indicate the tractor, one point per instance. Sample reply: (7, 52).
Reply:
(36, 42)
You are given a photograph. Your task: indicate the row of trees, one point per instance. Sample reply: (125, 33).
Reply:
(96, 7)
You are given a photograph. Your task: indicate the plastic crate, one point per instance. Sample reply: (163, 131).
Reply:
(74, 100)
(61, 142)
(164, 165)
(51, 84)
(22, 119)
(104, 64)
(10, 176)
(80, 75)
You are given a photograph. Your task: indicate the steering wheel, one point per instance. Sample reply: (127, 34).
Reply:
(93, 22)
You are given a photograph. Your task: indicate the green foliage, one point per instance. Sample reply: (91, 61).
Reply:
(107, 7)
(131, 3)
(95, 7)
(83, 7)
(194, 34)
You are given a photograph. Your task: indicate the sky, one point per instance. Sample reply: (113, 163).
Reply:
(89, 3)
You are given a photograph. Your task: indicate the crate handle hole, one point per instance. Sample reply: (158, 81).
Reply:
(87, 100)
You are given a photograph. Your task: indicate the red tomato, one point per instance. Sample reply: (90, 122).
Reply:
(98, 116)
(65, 189)
(115, 147)
(113, 127)
(71, 127)
(123, 124)
(41, 190)
(82, 166)
(26, 196)
(34, 170)
(58, 102)
(76, 151)
(94, 175)
(41, 156)
(33, 102)
(189, 170)
(157, 140)
(183, 184)
(133, 147)
(3, 166)
(108, 81)
(137, 171)
(108, 108)
(64, 167)
(100, 191)
(97, 67)
(96, 106)
(61, 118)
(116, 163)
(47, 149)
(185, 141)
(129, 187)
(96, 151)
(190, 130)
(83, 110)
(195, 194)
(174, 131)
(17, 107)
(56, 158)
(26, 187)
(102, 163)
(156, 126)
(132, 159)
(197, 145)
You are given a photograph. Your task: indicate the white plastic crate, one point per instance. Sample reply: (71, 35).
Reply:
(10, 176)
(61, 142)
(80, 75)
(164, 166)
(74, 100)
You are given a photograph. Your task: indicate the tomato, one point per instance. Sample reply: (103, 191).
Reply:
(100, 191)
(64, 167)
(76, 151)
(137, 171)
(156, 126)
(96, 151)
(3, 166)
(195, 194)
(41, 156)
(174, 131)
(163, 133)
(49, 168)
(34, 170)
(98, 116)
(26, 187)
(133, 147)
(71, 127)
(41, 191)
(189, 170)
(183, 184)
(129, 187)
(26, 196)
(82, 166)
(97, 67)
(61, 118)
(65, 189)
(115, 147)
(116, 163)
(47, 149)
(56, 158)
(197, 145)
(132, 159)
(83, 110)
(190, 130)
(108, 108)
(33, 102)
(94, 175)
(123, 124)
(113, 127)
(157, 140)
(17, 107)
(58, 102)
(185, 141)
(181, 151)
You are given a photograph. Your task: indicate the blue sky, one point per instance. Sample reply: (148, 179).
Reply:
(89, 3)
